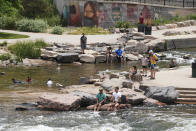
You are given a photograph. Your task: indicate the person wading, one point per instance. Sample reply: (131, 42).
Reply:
(153, 62)
(83, 41)
(100, 98)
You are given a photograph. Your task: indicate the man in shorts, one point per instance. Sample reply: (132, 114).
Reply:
(83, 41)
(116, 99)
(153, 62)
(100, 98)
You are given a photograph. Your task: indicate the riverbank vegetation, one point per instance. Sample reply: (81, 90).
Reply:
(27, 49)
(89, 31)
(4, 35)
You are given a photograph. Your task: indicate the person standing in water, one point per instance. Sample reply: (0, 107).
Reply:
(83, 41)
(28, 80)
(100, 98)
(49, 83)
(144, 65)
(153, 62)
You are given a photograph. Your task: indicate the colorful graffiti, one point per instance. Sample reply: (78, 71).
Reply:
(116, 12)
(90, 14)
(72, 15)
(132, 12)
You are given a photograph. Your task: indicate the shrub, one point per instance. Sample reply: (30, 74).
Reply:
(4, 57)
(28, 49)
(53, 20)
(7, 22)
(124, 24)
(31, 25)
(57, 30)
(3, 44)
(89, 31)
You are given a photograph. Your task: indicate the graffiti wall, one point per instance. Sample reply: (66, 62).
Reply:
(92, 13)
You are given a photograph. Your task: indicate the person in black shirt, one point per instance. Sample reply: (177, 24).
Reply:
(83, 41)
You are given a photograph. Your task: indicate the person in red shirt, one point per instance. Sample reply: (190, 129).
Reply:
(141, 18)
(28, 80)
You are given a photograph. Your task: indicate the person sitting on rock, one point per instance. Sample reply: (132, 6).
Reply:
(100, 98)
(133, 72)
(172, 64)
(49, 82)
(116, 99)
(119, 53)
(109, 54)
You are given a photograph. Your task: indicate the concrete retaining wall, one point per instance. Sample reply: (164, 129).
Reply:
(106, 14)
(180, 43)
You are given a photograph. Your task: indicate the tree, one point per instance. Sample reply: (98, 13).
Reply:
(38, 8)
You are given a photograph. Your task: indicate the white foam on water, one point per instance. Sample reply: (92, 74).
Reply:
(37, 128)
(184, 125)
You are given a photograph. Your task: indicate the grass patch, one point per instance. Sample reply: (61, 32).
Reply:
(4, 35)
(28, 49)
(89, 31)
(4, 57)
(57, 30)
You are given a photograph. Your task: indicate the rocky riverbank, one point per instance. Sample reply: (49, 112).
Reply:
(82, 96)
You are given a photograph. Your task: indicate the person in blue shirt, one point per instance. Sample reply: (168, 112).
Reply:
(100, 98)
(119, 54)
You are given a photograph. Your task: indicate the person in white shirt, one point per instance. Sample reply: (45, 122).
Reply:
(49, 83)
(145, 65)
(116, 99)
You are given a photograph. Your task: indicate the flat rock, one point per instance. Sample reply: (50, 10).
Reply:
(106, 106)
(132, 57)
(86, 58)
(59, 102)
(67, 57)
(163, 94)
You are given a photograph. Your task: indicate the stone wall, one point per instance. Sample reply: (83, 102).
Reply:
(106, 14)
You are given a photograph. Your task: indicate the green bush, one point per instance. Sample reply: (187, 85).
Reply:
(53, 20)
(122, 24)
(57, 30)
(7, 22)
(28, 49)
(89, 31)
(3, 44)
(31, 25)
(5, 57)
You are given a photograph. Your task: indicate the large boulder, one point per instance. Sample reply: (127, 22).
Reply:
(140, 48)
(163, 94)
(67, 57)
(157, 45)
(59, 102)
(110, 84)
(132, 97)
(86, 58)
(132, 42)
(86, 98)
(48, 55)
(132, 57)
(91, 52)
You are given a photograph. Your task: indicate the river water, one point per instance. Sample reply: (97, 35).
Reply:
(169, 118)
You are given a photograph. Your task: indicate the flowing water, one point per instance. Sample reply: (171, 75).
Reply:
(170, 118)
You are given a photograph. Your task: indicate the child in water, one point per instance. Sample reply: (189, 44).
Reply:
(133, 72)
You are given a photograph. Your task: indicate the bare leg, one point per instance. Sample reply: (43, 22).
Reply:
(95, 107)
(99, 106)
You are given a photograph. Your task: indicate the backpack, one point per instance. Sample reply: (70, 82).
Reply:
(157, 55)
